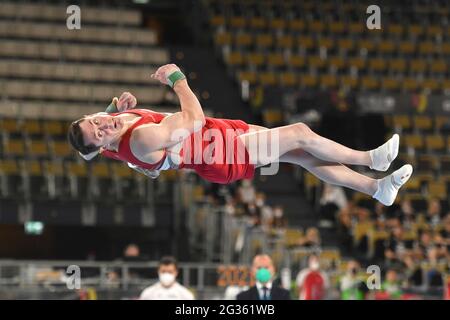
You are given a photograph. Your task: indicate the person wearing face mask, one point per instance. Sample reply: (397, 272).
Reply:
(167, 288)
(312, 283)
(265, 289)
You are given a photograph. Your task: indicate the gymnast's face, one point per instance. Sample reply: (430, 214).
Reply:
(101, 129)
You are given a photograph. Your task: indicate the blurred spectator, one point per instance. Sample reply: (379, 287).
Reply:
(246, 192)
(132, 252)
(312, 283)
(397, 247)
(407, 214)
(413, 273)
(279, 221)
(433, 216)
(391, 286)
(433, 274)
(167, 288)
(333, 199)
(263, 272)
(351, 287)
(311, 239)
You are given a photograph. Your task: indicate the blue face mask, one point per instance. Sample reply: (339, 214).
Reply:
(263, 275)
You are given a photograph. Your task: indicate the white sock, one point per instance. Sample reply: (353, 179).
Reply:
(383, 155)
(388, 186)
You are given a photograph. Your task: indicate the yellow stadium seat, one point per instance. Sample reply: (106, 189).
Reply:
(235, 59)
(357, 62)
(413, 140)
(437, 189)
(285, 41)
(272, 117)
(316, 26)
(410, 84)
(32, 127)
(277, 23)
(366, 44)
(305, 42)
(349, 81)
(32, 167)
(336, 62)
(267, 78)
(100, 169)
(243, 39)
(217, 20)
(445, 47)
(417, 65)
(53, 168)
(439, 66)
(308, 80)
(120, 170)
(316, 61)
(387, 47)
(14, 147)
(78, 169)
(445, 84)
(360, 230)
(430, 84)
(264, 40)
(356, 28)
(288, 79)
(297, 61)
(427, 47)
(328, 81)
(427, 163)
(434, 30)
(223, 38)
(249, 76)
(61, 149)
(297, 25)
(370, 83)
(440, 121)
(38, 148)
(423, 122)
(256, 59)
(395, 29)
(345, 44)
(336, 27)
(275, 59)
(407, 47)
(9, 167)
(390, 83)
(10, 126)
(238, 22)
(377, 64)
(53, 127)
(435, 142)
(398, 65)
(413, 185)
(326, 43)
(258, 23)
(415, 30)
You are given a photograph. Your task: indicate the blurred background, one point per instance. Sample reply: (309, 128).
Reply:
(266, 62)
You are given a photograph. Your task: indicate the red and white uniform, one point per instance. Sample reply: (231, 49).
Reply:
(313, 284)
(217, 138)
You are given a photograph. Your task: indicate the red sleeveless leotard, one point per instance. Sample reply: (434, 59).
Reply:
(214, 152)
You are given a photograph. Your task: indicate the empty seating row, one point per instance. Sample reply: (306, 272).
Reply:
(75, 71)
(83, 52)
(43, 31)
(45, 12)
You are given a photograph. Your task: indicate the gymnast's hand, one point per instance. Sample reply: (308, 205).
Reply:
(164, 71)
(125, 102)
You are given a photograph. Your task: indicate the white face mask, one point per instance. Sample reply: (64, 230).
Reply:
(166, 278)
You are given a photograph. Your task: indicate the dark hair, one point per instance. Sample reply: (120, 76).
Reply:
(168, 260)
(75, 137)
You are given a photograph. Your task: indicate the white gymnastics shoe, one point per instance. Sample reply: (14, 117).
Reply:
(388, 186)
(383, 155)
